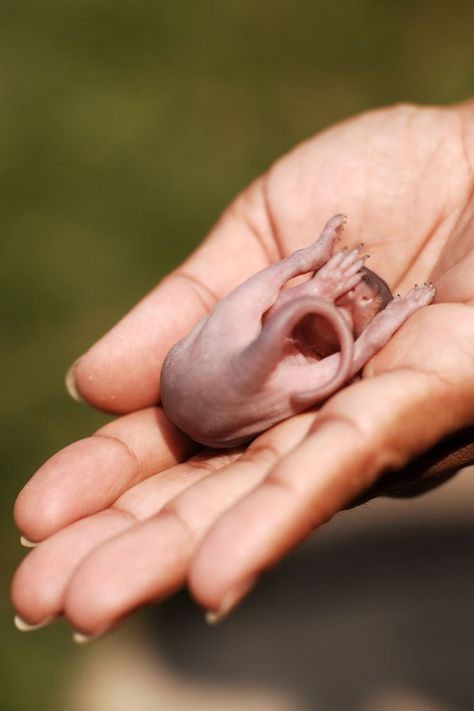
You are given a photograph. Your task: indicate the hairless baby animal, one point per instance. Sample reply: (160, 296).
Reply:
(266, 352)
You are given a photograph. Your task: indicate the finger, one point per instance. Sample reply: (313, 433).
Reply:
(41, 579)
(121, 371)
(366, 429)
(89, 475)
(150, 560)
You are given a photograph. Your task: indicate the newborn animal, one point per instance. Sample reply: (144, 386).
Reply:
(266, 352)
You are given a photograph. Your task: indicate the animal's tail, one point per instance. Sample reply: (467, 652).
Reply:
(261, 357)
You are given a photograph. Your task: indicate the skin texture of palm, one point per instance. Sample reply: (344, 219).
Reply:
(137, 510)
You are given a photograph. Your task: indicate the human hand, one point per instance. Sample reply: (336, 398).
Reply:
(130, 514)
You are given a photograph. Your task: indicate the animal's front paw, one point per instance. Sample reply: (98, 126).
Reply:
(339, 275)
(415, 299)
(396, 313)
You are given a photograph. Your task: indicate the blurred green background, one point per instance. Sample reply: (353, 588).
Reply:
(125, 127)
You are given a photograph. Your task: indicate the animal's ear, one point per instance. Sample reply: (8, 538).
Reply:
(346, 299)
(379, 287)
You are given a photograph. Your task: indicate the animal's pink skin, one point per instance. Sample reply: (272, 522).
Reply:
(266, 352)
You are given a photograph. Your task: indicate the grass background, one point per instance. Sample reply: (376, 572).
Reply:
(125, 127)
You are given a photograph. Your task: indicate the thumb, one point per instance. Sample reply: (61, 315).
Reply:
(121, 371)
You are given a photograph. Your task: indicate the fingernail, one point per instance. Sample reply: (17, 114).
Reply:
(70, 382)
(27, 543)
(229, 602)
(213, 618)
(24, 626)
(82, 639)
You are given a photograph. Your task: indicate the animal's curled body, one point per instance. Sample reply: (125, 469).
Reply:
(266, 352)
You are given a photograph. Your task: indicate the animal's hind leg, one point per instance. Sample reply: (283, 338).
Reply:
(260, 292)
(334, 279)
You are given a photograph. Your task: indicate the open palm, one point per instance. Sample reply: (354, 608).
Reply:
(129, 514)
